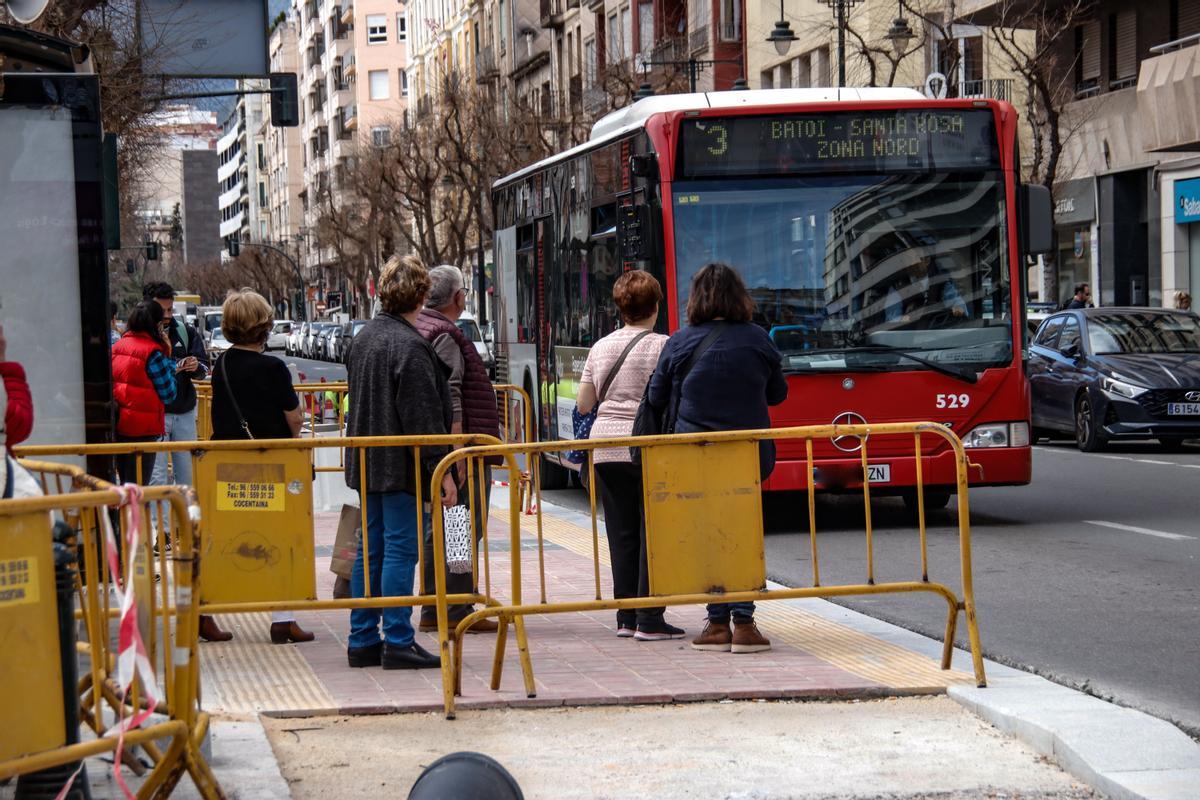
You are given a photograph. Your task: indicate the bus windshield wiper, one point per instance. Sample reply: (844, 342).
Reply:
(968, 377)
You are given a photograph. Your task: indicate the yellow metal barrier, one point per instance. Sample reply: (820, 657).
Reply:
(256, 499)
(32, 693)
(704, 535)
(516, 427)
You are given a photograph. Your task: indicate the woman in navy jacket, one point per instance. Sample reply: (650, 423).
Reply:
(729, 388)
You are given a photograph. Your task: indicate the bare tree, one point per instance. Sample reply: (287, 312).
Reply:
(1033, 38)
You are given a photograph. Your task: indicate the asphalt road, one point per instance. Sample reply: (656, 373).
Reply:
(1089, 576)
(312, 371)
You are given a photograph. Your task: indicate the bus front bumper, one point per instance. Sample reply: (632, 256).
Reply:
(990, 466)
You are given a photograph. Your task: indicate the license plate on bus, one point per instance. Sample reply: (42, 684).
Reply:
(879, 473)
(1184, 409)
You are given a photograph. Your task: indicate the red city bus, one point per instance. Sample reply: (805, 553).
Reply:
(882, 235)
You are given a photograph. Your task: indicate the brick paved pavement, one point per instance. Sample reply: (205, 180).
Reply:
(577, 658)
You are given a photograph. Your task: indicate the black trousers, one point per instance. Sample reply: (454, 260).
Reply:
(127, 462)
(458, 582)
(620, 486)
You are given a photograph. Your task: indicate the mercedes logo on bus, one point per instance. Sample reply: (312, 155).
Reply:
(1193, 397)
(853, 443)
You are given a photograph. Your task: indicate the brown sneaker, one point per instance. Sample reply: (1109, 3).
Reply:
(716, 636)
(748, 639)
(486, 625)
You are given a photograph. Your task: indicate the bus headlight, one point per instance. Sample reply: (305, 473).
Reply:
(998, 434)
(1129, 391)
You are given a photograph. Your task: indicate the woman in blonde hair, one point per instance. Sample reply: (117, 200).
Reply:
(399, 389)
(1183, 301)
(252, 398)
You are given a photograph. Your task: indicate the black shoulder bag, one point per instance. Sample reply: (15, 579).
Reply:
(245, 426)
(653, 422)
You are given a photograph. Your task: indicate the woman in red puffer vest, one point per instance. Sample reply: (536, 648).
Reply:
(143, 382)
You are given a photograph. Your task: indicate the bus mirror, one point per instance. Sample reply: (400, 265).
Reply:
(642, 166)
(1038, 224)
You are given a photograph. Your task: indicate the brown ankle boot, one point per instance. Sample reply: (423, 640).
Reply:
(748, 639)
(211, 632)
(284, 632)
(716, 636)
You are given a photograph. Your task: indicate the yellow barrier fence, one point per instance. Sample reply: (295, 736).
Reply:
(33, 703)
(256, 500)
(704, 533)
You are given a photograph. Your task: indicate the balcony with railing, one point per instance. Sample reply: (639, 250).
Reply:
(347, 121)
(730, 31)
(347, 17)
(1168, 96)
(486, 68)
(698, 39)
(983, 89)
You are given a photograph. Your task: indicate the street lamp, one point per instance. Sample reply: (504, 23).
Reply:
(840, 7)
(782, 36)
(900, 33)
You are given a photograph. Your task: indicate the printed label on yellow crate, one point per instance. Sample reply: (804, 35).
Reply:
(18, 581)
(251, 487)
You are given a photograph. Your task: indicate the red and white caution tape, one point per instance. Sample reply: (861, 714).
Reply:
(132, 659)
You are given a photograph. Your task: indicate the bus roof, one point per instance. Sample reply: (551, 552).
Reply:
(632, 117)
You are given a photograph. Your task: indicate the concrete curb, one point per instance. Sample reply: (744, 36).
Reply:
(244, 762)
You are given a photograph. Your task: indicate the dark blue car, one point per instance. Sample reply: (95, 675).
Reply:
(1117, 373)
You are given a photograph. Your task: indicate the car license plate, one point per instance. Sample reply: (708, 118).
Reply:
(879, 473)
(1184, 409)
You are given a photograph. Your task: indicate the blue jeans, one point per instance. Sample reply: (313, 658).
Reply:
(721, 612)
(393, 538)
(178, 428)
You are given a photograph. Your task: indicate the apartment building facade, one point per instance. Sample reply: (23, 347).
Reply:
(1126, 219)
(350, 59)
(242, 168)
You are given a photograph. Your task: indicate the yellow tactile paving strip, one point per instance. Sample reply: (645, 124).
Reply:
(858, 653)
(249, 674)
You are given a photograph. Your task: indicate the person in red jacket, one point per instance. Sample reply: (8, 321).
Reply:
(18, 417)
(143, 383)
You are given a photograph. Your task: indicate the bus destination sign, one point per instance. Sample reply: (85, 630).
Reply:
(850, 141)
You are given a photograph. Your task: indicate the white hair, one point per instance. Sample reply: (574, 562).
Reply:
(444, 282)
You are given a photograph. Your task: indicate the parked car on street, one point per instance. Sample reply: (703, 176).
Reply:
(217, 342)
(277, 340)
(333, 343)
(1117, 373)
(470, 328)
(351, 329)
(295, 337)
(320, 350)
(1036, 313)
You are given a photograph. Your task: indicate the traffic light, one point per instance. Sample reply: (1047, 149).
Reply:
(285, 106)
(152, 251)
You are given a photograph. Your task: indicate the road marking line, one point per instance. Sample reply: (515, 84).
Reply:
(1135, 529)
(1117, 458)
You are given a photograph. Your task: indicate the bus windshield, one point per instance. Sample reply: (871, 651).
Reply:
(848, 270)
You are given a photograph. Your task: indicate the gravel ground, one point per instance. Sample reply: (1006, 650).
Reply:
(894, 749)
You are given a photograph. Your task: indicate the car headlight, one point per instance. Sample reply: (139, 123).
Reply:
(1121, 388)
(998, 434)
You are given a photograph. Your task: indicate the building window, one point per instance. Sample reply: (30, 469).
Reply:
(614, 38)
(376, 29)
(1122, 57)
(401, 28)
(381, 136)
(626, 32)
(1087, 57)
(503, 28)
(589, 62)
(262, 194)
(403, 83)
(378, 80)
(731, 21)
(645, 28)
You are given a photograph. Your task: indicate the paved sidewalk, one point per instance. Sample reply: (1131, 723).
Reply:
(577, 658)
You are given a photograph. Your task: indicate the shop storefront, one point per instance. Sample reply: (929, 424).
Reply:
(1187, 215)
(1074, 221)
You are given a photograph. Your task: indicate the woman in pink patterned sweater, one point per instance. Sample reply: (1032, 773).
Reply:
(637, 295)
